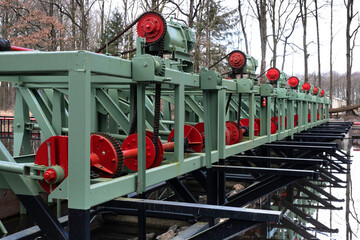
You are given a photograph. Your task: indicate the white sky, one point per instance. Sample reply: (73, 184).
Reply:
(294, 62)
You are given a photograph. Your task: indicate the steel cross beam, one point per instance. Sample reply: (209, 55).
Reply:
(314, 196)
(330, 197)
(260, 170)
(288, 223)
(303, 161)
(304, 216)
(197, 209)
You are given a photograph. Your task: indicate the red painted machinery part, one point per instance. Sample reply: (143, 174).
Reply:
(193, 136)
(245, 122)
(20, 49)
(129, 148)
(151, 26)
(161, 150)
(234, 132)
(104, 158)
(316, 90)
(309, 117)
(237, 59)
(306, 87)
(58, 147)
(200, 127)
(273, 74)
(322, 93)
(273, 126)
(293, 82)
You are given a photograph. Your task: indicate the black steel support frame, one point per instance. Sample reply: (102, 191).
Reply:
(214, 182)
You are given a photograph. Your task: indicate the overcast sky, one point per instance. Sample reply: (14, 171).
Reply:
(294, 62)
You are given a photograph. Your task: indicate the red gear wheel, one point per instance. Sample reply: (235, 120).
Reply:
(237, 59)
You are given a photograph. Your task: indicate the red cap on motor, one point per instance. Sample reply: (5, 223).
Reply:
(322, 93)
(306, 87)
(293, 82)
(316, 90)
(237, 59)
(273, 74)
(151, 26)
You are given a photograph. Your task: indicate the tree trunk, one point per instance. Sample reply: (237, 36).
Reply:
(318, 41)
(243, 26)
(303, 12)
(349, 11)
(208, 40)
(331, 50)
(73, 26)
(263, 36)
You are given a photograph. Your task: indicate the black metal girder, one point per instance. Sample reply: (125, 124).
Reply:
(222, 231)
(317, 137)
(269, 171)
(288, 223)
(306, 217)
(332, 144)
(42, 215)
(313, 206)
(325, 199)
(330, 175)
(339, 157)
(303, 147)
(320, 190)
(329, 180)
(197, 209)
(302, 161)
(180, 190)
(314, 196)
(260, 189)
(200, 176)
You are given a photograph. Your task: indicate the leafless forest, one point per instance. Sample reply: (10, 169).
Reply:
(220, 26)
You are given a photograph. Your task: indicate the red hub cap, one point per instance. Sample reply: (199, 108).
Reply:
(273, 74)
(131, 143)
(151, 26)
(306, 87)
(316, 90)
(237, 59)
(293, 82)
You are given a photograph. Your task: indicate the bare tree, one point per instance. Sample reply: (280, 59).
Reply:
(303, 14)
(350, 44)
(331, 50)
(318, 40)
(260, 14)
(240, 5)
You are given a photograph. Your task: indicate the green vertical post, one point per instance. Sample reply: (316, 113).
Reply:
(113, 127)
(221, 122)
(179, 124)
(140, 92)
(252, 109)
(268, 117)
(79, 153)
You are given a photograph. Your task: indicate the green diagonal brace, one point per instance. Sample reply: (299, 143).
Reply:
(113, 109)
(44, 123)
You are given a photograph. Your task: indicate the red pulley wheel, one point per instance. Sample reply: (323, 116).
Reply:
(151, 26)
(131, 143)
(234, 132)
(201, 128)
(195, 140)
(273, 74)
(160, 155)
(55, 148)
(245, 122)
